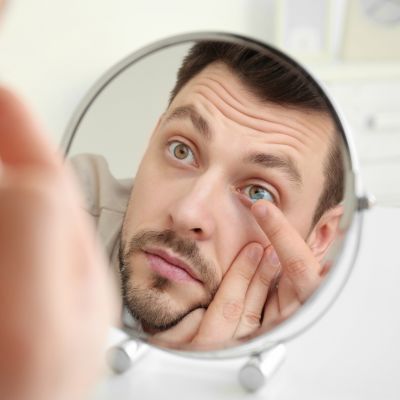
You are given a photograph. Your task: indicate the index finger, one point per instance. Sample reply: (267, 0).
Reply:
(296, 258)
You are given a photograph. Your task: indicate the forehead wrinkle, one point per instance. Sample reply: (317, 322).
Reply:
(293, 126)
(226, 90)
(253, 122)
(255, 116)
(284, 142)
(246, 110)
(298, 143)
(277, 140)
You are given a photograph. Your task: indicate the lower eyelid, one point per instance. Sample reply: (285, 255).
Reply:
(244, 199)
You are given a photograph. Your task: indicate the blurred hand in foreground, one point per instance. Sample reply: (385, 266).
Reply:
(56, 299)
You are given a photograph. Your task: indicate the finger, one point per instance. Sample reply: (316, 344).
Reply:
(223, 314)
(286, 293)
(288, 301)
(298, 262)
(257, 293)
(271, 315)
(21, 142)
(274, 313)
(184, 331)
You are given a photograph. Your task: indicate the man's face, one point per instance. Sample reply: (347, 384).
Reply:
(215, 150)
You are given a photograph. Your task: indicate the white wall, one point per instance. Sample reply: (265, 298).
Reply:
(52, 51)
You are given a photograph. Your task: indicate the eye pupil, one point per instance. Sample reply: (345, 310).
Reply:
(181, 151)
(259, 193)
(256, 192)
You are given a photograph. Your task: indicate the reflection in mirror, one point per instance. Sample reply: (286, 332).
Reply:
(220, 184)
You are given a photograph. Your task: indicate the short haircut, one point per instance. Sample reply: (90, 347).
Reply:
(272, 79)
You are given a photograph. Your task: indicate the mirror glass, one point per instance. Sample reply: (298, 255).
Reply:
(173, 146)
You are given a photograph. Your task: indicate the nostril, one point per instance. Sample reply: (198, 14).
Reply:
(197, 230)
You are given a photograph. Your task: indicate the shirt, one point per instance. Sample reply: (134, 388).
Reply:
(105, 199)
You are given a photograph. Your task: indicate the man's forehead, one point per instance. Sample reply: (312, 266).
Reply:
(220, 86)
(219, 77)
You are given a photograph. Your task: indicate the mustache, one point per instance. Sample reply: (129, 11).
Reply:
(186, 249)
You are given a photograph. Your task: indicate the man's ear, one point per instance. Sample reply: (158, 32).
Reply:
(325, 232)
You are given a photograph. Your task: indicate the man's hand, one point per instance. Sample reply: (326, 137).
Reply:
(262, 287)
(55, 295)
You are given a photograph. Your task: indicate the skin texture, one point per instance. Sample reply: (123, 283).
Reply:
(204, 199)
(55, 295)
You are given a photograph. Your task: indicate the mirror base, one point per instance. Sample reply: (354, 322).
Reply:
(121, 357)
(261, 367)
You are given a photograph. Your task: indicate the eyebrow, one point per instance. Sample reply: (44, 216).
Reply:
(286, 164)
(189, 112)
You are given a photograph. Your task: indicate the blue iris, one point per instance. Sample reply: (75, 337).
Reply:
(256, 192)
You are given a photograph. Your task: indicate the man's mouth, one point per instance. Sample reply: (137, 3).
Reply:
(170, 266)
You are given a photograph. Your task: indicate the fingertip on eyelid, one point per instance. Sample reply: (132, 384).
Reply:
(260, 208)
(244, 200)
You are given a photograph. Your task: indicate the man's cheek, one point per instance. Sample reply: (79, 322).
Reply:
(145, 201)
(248, 230)
(227, 263)
(253, 234)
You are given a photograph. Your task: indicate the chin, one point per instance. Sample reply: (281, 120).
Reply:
(155, 308)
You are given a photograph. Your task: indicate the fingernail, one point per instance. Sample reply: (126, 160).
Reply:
(274, 262)
(273, 258)
(254, 253)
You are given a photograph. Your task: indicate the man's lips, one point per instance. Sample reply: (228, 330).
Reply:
(170, 266)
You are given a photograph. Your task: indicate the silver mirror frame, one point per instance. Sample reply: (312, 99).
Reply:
(326, 295)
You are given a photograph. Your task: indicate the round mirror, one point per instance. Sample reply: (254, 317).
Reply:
(224, 187)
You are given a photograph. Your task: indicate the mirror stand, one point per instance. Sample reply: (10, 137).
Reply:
(257, 371)
(121, 357)
(261, 367)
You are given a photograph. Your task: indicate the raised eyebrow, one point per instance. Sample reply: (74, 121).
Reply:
(286, 164)
(190, 112)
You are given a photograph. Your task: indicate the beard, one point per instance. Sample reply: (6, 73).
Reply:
(151, 304)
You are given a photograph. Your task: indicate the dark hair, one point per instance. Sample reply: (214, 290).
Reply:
(274, 79)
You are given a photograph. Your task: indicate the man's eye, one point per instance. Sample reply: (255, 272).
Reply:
(255, 192)
(181, 152)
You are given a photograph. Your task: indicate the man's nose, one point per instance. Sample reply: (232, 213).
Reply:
(194, 212)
